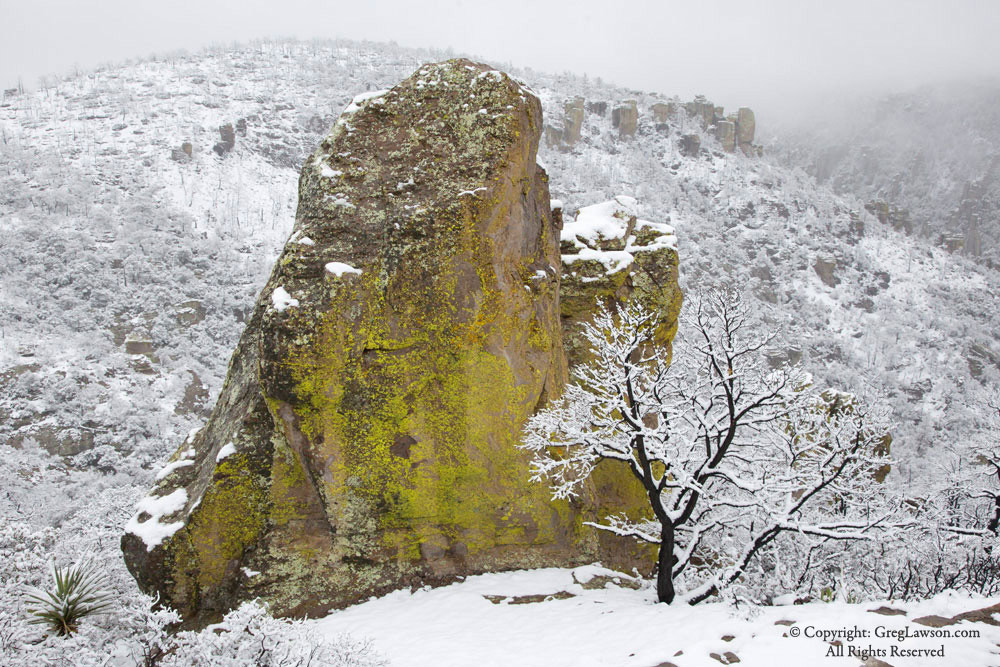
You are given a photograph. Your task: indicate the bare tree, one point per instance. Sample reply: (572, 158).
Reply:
(730, 453)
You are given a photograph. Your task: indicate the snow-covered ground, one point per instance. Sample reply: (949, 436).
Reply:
(459, 625)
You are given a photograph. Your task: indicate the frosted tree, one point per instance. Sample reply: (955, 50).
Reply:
(730, 453)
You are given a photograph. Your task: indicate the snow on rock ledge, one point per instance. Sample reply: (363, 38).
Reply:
(610, 254)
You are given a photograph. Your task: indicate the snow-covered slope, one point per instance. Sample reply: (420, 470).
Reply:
(128, 266)
(933, 151)
(856, 300)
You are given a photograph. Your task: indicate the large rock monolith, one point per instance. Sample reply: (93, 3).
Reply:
(365, 437)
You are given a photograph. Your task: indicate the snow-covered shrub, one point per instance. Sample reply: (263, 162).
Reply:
(931, 562)
(953, 541)
(248, 635)
(128, 633)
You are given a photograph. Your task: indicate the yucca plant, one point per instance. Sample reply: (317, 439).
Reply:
(77, 591)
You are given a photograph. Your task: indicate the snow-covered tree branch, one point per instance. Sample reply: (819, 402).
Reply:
(730, 453)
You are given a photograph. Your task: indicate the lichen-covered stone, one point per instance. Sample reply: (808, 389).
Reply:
(365, 438)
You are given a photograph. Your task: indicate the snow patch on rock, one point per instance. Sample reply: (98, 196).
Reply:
(227, 450)
(339, 269)
(281, 299)
(151, 530)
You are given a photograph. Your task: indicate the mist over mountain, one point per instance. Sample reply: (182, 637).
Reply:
(931, 151)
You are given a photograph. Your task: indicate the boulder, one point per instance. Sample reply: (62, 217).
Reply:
(826, 269)
(189, 313)
(365, 436)
(139, 345)
(625, 117)
(227, 139)
(182, 154)
(952, 243)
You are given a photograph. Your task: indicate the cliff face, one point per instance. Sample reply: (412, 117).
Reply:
(365, 438)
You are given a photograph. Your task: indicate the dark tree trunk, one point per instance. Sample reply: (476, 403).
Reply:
(665, 565)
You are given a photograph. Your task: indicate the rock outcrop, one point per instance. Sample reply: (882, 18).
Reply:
(663, 111)
(568, 132)
(725, 132)
(895, 217)
(625, 117)
(610, 256)
(746, 127)
(573, 120)
(227, 139)
(734, 131)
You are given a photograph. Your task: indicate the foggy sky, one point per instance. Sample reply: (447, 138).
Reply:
(763, 54)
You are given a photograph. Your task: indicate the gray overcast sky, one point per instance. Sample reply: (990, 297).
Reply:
(742, 52)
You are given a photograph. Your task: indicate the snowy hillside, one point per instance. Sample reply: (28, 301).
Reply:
(142, 208)
(112, 233)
